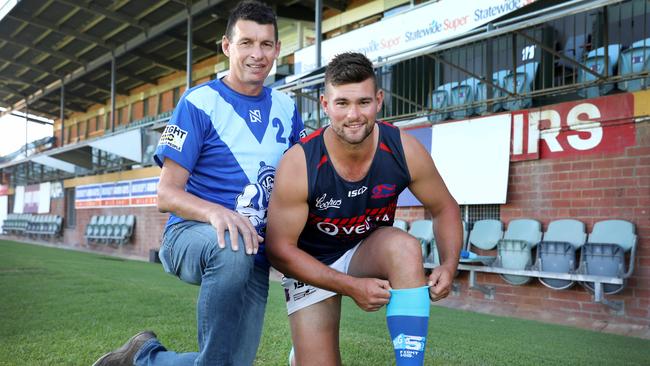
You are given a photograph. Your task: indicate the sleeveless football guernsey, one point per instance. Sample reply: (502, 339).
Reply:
(342, 213)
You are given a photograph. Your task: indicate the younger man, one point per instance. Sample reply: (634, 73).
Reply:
(331, 215)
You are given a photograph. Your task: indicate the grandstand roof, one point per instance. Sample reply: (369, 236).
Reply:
(45, 43)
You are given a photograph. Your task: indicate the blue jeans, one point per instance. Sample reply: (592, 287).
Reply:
(232, 298)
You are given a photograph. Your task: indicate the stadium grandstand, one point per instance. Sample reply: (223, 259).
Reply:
(536, 113)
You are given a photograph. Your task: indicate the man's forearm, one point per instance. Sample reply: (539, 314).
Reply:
(449, 235)
(185, 205)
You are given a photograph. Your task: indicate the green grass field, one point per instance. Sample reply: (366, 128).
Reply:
(61, 307)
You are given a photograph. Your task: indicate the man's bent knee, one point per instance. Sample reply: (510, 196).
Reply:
(236, 265)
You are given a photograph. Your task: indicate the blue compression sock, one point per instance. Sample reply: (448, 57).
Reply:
(407, 315)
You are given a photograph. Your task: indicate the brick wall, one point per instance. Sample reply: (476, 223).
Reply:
(137, 111)
(167, 102)
(147, 233)
(588, 188)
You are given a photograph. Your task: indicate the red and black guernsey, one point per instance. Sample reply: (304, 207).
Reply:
(342, 213)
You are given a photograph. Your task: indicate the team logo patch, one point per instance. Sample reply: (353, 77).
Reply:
(174, 137)
(383, 191)
(303, 134)
(409, 343)
(255, 116)
(253, 201)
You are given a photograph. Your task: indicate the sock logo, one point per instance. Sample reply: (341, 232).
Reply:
(409, 342)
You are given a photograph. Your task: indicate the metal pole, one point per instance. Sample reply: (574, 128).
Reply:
(319, 8)
(26, 122)
(189, 45)
(62, 114)
(113, 94)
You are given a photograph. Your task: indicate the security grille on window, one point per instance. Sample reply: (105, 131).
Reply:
(473, 213)
(70, 211)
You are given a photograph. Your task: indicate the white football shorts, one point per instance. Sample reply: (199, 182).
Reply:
(299, 295)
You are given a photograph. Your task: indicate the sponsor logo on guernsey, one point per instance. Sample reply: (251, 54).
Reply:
(409, 345)
(174, 137)
(357, 192)
(383, 191)
(323, 204)
(303, 133)
(333, 229)
(255, 115)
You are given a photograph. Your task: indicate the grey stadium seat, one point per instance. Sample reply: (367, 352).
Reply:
(604, 253)
(557, 251)
(635, 60)
(514, 251)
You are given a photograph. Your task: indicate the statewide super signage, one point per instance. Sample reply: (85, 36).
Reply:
(413, 29)
(139, 192)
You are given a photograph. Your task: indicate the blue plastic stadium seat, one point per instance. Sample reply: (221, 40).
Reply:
(309, 120)
(324, 119)
(439, 101)
(127, 229)
(514, 251)
(482, 92)
(463, 94)
(557, 251)
(604, 253)
(635, 60)
(574, 48)
(401, 224)
(596, 62)
(520, 83)
(149, 152)
(98, 229)
(90, 228)
(464, 234)
(485, 235)
(423, 231)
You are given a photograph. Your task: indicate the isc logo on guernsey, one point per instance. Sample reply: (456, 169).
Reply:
(357, 192)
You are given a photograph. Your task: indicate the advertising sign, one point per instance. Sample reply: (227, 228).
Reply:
(413, 29)
(139, 192)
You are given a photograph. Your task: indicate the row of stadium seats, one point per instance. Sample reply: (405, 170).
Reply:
(110, 229)
(44, 226)
(16, 223)
(633, 60)
(310, 120)
(33, 225)
(602, 252)
(466, 98)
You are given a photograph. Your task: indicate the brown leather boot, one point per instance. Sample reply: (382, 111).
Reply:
(123, 356)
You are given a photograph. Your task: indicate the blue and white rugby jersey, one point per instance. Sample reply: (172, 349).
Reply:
(231, 144)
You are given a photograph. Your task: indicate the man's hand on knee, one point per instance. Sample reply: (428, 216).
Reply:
(370, 294)
(440, 281)
(223, 219)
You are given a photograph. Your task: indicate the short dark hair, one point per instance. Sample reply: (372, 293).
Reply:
(255, 11)
(348, 68)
